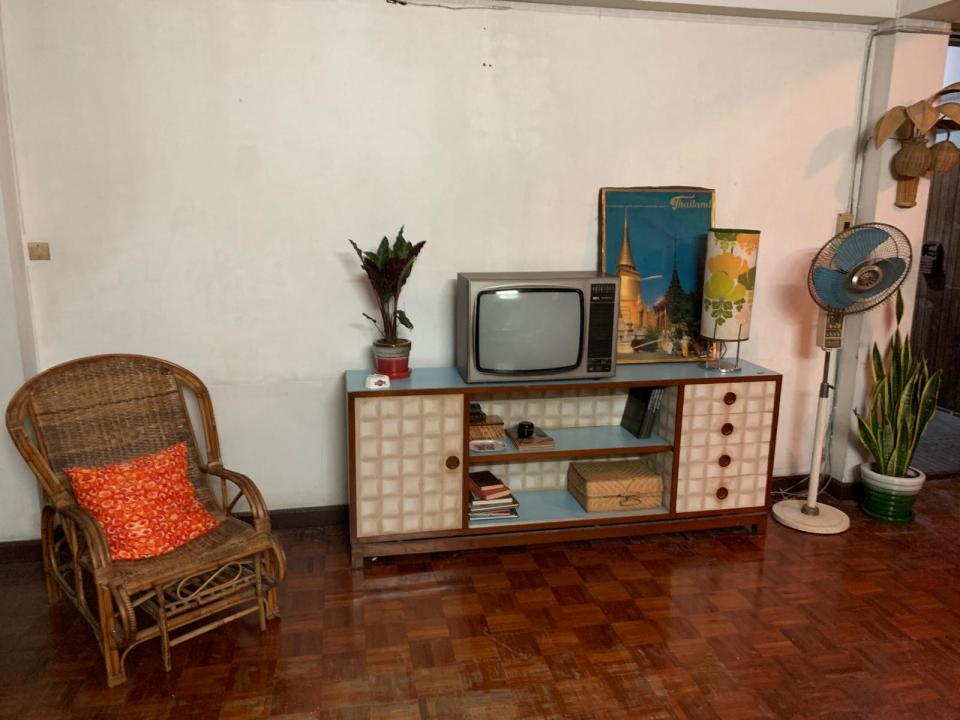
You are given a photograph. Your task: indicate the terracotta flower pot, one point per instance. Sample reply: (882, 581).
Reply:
(393, 358)
(890, 498)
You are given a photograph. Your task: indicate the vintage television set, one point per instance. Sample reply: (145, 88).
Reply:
(536, 325)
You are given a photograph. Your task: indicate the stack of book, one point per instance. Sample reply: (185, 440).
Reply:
(490, 499)
(641, 410)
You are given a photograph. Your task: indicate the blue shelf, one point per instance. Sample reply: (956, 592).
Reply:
(447, 378)
(546, 506)
(599, 441)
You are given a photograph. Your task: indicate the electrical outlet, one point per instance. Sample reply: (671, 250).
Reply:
(844, 221)
(38, 250)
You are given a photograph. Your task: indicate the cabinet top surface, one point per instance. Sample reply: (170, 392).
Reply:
(448, 378)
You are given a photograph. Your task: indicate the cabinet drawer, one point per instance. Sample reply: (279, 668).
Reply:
(404, 483)
(703, 461)
(727, 430)
(742, 491)
(729, 398)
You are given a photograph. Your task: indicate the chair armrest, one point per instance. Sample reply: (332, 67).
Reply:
(93, 535)
(248, 489)
(124, 634)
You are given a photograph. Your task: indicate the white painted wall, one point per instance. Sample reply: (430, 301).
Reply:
(19, 497)
(198, 168)
(19, 508)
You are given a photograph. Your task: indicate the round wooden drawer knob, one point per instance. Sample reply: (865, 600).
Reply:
(724, 460)
(453, 462)
(730, 398)
(722, 493)
(727, 429)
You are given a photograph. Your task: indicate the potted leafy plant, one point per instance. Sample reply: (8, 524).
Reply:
(902, 402)
(388, 269)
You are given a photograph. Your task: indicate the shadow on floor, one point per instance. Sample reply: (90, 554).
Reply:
(939, 450)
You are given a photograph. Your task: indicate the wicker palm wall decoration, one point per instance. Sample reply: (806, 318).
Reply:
(913, 127)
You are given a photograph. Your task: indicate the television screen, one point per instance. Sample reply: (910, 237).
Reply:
(529, 329)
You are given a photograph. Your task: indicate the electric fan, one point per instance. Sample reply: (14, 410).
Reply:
(854, 272)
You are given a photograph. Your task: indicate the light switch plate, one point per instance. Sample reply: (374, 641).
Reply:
(38, 250)
(844, 220)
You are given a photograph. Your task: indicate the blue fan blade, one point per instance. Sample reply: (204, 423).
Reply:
(892, 269)
(857, 247)
(830, 286)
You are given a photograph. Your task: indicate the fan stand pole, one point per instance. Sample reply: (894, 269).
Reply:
(810, 516)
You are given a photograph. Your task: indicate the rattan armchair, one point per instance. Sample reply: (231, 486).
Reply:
(101, 410)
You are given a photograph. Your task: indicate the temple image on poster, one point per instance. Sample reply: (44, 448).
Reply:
(656, 245)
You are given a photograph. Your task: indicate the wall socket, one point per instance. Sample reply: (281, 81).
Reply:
(38, 250)
(844, 221)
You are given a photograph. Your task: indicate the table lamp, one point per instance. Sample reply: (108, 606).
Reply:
(728, 281)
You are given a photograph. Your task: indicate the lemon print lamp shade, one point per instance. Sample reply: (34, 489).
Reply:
(729, 277)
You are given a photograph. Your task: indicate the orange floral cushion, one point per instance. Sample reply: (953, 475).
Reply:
(146, 506)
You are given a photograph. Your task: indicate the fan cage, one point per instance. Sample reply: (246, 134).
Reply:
(897, 245)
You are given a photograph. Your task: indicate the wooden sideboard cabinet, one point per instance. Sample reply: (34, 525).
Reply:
(409, 459)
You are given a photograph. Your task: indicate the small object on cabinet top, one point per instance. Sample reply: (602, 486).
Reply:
(377, 382)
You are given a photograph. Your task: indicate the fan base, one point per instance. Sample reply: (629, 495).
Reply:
(830, 521)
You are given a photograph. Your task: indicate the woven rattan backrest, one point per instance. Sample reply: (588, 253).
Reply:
(102, 410)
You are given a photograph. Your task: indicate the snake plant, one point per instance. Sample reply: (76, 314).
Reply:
(902, 402)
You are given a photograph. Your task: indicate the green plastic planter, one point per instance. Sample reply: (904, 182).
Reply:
(890, 499)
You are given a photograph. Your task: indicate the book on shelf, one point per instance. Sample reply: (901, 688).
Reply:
(487, 486)
(509, 515)
(495, 503)
(538, 441)
(640, 412)
(653, 409)
(506, 510)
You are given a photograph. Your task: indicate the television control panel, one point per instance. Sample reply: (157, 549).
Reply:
(603, 327)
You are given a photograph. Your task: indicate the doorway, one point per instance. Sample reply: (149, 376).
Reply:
(936, 317)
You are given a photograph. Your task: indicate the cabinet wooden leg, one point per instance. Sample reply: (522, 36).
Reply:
(356, 559)
(760, 527)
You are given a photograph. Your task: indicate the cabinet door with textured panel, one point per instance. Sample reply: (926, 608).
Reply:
(407, 464)
(725, 445)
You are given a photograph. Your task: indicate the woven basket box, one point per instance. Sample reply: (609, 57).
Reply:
(611, 486)
(489, 429)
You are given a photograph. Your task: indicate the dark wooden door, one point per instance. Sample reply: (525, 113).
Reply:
(936, 316)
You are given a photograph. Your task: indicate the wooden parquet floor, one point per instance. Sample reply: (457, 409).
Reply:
(700, 625)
